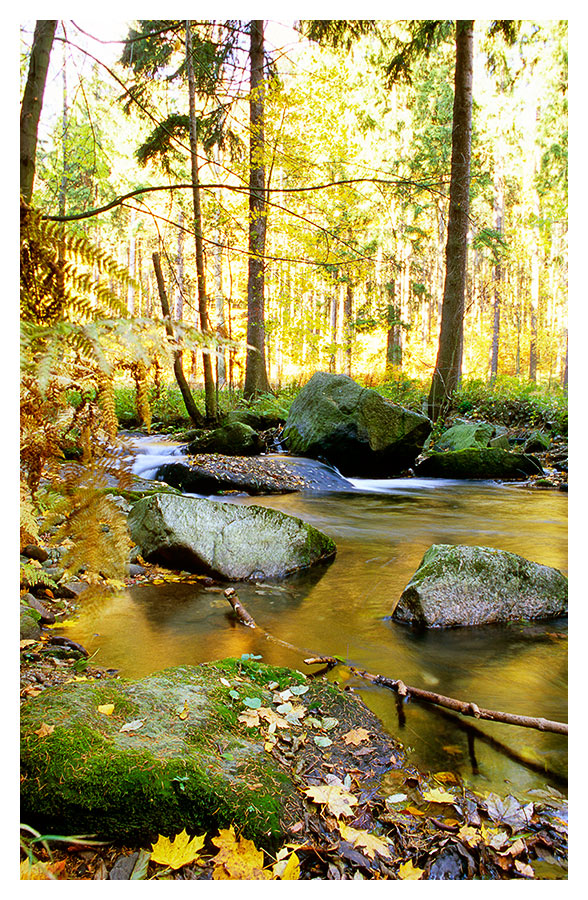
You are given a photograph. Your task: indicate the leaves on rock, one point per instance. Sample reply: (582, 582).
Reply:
(132, 726)
(106, 709)
(45, 729)
(356, 736)
(287, 865)
(179, 852)
(509, 811)
(337, 800)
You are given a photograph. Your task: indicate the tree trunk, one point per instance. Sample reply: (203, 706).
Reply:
(256, 380)
(32, 102)
(394, 335)
(499, 213)
(191, 407)
(348, 325)
(209, 388)
(448, 365)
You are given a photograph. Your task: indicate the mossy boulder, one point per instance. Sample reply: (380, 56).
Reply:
(235, 542)
(353, 428)
(233, 439)
(489, 462)
(460, 585)
(464, 435)
(538, 442)
(173, 754)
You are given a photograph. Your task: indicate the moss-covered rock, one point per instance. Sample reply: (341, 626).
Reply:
(460, 585)
(233, 439)
(184, 761)
(464, 435)
(224, 539)
(353, 428)
(479, 464)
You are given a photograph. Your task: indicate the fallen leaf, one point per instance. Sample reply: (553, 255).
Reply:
(238, 858)
(252, 702)
(45, 729)
(408, 872)
(321, 740)
(132, 726)
(36, 871)
(438, 795)
(299, 689)
(330, 723)
(225, 682)
(396, 798)
(470, 836)
(179, 852)
(370, 843)
(517, 847)
(414, 811)
(185, 711)
(494, 837)
(356, 736)
(509, 811)
(106, 709)
(337, 800)
(287, 868)
(446, 777)
(524, 869)
(27, 643)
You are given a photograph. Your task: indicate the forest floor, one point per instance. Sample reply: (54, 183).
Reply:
(431, 828)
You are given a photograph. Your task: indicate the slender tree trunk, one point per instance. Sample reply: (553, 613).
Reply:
(256, 380)
(448, 366)
(348, 325)
(191, 407)
(499, 213)
(394, 335)
(32, 102)
(209, 387)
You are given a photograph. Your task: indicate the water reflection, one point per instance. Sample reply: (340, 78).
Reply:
(344, 609)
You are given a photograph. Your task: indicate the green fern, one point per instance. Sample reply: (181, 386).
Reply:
(31, 575)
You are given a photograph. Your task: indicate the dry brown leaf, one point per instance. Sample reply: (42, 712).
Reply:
(45, 729)
(356, 736)
(337, 800)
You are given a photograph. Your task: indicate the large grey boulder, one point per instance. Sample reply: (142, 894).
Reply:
(353, 428)
(459, 585)
(239, 543)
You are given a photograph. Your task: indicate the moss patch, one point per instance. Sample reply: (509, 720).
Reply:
(183, 758)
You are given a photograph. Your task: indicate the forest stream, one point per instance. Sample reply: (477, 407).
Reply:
(382, 529)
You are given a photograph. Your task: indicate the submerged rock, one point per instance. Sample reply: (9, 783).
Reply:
(129, 759)
(239, 543)
(459, 585)
(353, 428)
(482, 463)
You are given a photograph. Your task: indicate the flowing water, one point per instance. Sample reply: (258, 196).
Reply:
(382, 530)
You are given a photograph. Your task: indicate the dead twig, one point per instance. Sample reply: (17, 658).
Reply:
(460, 706)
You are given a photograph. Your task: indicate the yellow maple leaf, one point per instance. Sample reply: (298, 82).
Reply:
(449, 777)
(408, 872)
(238, 858)
(106, 709)
(337, 800)
(45, 729)
(287, 866)
(470, 836)
(178, 852)
(370, 843)
(356, 736)
(185, 712)
(34, 871)
(438, 795)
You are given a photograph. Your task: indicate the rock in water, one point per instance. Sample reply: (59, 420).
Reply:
(458, 585)
(239, 543)
(353, 428)
(481, 464)
(233, 439)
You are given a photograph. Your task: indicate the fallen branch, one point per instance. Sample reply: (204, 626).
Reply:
(240, 610)
(404, 690)
(460, 706)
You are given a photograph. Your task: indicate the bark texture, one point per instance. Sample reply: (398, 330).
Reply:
(448, 365)
(32, 102)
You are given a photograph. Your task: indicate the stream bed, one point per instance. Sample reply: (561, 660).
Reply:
(382, 529)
